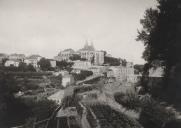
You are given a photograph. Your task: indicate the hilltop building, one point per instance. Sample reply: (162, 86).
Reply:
(88, 53)
(64, 55)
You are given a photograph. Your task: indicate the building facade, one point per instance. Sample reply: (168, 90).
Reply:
(67, 80)
(99, 58)
(122, 73)
(64, 55)
(14, 63)
(89, 53)
(33, 60)
(83, 65)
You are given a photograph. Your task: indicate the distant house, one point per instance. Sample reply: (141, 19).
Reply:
(53, 63)
(67, 80)
(33, 60)
(15, 56)
(14, 63)
(110, 73)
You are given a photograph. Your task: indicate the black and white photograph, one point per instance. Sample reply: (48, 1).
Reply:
(90, 63)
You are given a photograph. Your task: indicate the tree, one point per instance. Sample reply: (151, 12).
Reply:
(4, 61)
(31, 68)
(44, 64)
(64, 65)
(111, 61)
(13, 111)
(82, 75)
(138, 68)
(22, 67)
(161, 37)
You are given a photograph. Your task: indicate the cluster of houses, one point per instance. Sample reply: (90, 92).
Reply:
(15, 60)
(90, 60)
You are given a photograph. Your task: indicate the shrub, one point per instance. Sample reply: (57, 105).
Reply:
(110, 118)
(153, 115)
(82, 75)
(129, 100)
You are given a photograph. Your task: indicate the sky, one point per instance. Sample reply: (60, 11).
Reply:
(46, 27)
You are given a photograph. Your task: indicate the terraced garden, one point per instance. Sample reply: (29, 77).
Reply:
(110, 118)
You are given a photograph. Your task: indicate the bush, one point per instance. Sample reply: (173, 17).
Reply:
(153, 115)
(41, 109)
(129, 100)
(110, 118)
(82, 75)
(173, 124)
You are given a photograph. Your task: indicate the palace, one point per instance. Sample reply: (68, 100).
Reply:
(88, 53)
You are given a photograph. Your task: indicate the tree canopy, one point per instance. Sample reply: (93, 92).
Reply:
(161, 37)
(44, 64)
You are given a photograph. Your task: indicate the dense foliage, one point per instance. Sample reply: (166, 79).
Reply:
(161, 37)
(129, 100)
(44, 64)
(82, 75)
(110, 118)
(152, 114)
(111, 61)
(138, 68)
(15, 111)
(64, 65)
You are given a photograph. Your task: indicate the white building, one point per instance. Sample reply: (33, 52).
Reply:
(53, 63)
(33, 60)
(98, 57)
(14, 63)
(64, 55)
(88, 52)
(121, 73)
(84, 65)
(67, 80)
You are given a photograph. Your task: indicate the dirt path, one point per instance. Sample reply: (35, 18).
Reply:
(84, 121)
